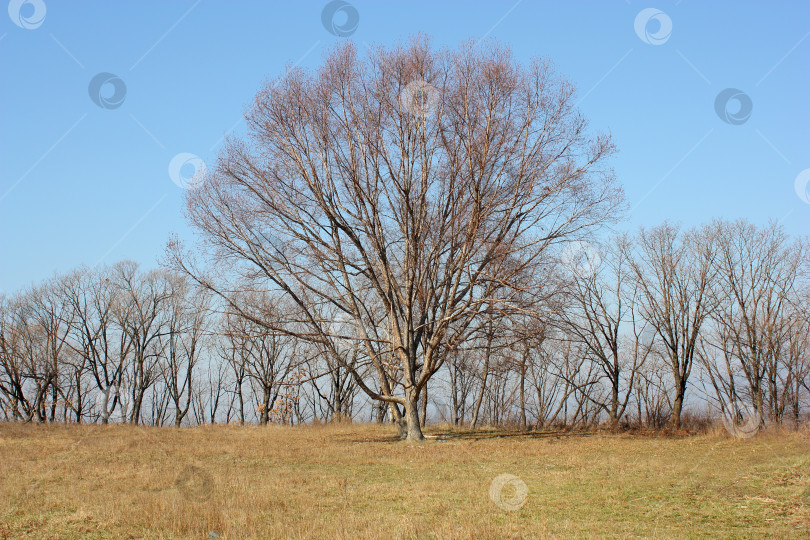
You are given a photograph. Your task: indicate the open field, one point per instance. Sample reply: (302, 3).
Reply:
(349, 481)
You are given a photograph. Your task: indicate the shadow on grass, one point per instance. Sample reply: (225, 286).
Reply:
(478, 435)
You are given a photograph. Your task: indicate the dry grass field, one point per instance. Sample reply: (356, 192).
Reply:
(350, 481)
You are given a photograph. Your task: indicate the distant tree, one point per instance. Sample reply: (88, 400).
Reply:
(674, 271)
(184, 342)
(266, 356)
(95, 336)
(760, 322)
(142, 317)
(603, 315)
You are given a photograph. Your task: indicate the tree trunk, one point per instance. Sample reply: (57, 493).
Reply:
(614, 402)
(796, 408)
(135, 417)
(413, 431)
(265, 407)
(381, 406)
(480, 397)
(454, 393)
(523, 394)
(54, 396)
(759, 403)
(241, 404)
(677, 407)
(424, 402)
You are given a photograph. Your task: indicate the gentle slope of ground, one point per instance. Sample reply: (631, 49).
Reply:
(357, 481)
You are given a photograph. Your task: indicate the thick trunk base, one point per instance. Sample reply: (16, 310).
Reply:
(412, 429)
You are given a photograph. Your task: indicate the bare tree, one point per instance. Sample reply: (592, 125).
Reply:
(231, 352)
(142, 318)
(653, 392)
(796, 352)
(604, 317)
(268, 357)
(403, 189)
(13, 347)
(184, 342)
(461, 381)
(94, 297)
(33, 350)
(489, 348)
(336, 400)
(757, 291)
(674, 272)
(208, 391)
(551, 391)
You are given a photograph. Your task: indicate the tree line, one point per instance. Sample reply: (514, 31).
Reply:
(621, 333)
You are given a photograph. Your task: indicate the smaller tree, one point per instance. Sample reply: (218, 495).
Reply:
(603, 315)
(674, 272)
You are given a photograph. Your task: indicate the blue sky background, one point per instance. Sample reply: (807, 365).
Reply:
(80, 184)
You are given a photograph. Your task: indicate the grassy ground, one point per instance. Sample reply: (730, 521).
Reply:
(357, 481)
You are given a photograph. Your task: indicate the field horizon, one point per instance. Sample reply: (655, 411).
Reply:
(348, 481)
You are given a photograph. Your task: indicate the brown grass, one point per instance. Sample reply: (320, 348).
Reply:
(350, 481)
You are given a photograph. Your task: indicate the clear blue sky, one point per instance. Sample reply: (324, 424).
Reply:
(82, 184)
